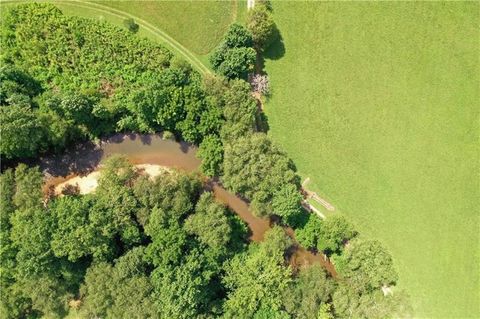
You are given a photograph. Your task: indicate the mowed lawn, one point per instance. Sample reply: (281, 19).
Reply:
(378, 104)
(198, 25)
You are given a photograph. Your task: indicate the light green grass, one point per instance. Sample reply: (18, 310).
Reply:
(378, 104)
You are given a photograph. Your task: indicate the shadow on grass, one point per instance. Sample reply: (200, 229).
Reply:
(274, 52)
(277, 49)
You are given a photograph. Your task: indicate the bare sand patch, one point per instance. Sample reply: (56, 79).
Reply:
(88, 183)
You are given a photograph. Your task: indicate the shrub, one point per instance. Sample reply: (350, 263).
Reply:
(260, 83)
(131, 25)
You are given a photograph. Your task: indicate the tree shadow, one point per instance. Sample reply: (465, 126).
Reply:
(262, 122)
(277, 49)
(147, 138)
(299, 219)
(185, 147)
(81, 159)
(274, 52)
(117, 138)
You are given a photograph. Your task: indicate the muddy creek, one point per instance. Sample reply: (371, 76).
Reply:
(85, 158)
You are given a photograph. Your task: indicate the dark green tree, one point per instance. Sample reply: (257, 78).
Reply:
(369, 265)
(76, 236)
(211, 154)
(169, 239)
(15, 81)
(258, 278)
(334, 232)
(308, 234)
(286, 202)
(121, 291)
(234, 57)
(22, 132)
(237, 63)
(350, 302)
(184, 291)
(97, 290)
(269, 169)
(308, 292)
(239, 111)
(77, 107)
(238, 36)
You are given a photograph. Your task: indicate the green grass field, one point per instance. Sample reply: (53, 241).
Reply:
(378, 104)
(197, 25)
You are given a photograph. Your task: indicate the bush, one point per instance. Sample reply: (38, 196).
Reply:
(131, 25)
(260, 83)
(167, 135)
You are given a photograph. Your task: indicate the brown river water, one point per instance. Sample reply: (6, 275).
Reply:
(152, 149)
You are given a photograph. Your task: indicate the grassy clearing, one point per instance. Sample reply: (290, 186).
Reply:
(378, 104)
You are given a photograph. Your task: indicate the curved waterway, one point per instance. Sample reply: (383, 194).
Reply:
(152, 149)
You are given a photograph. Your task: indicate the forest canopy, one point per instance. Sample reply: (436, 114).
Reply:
(66, 78)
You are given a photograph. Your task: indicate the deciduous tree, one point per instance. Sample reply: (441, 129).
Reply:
(262, 27)
(369, 265)
(210, 223)
(258, 278)
(335, 230)
(286, 202)
(211, 154)
(308, 292)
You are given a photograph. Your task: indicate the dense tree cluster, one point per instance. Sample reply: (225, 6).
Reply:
(239, 118)
(66, 78)
(165, 248)
(269, 173)
(368, 273)
(146, 248)
(235, 56)
(136, 246)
